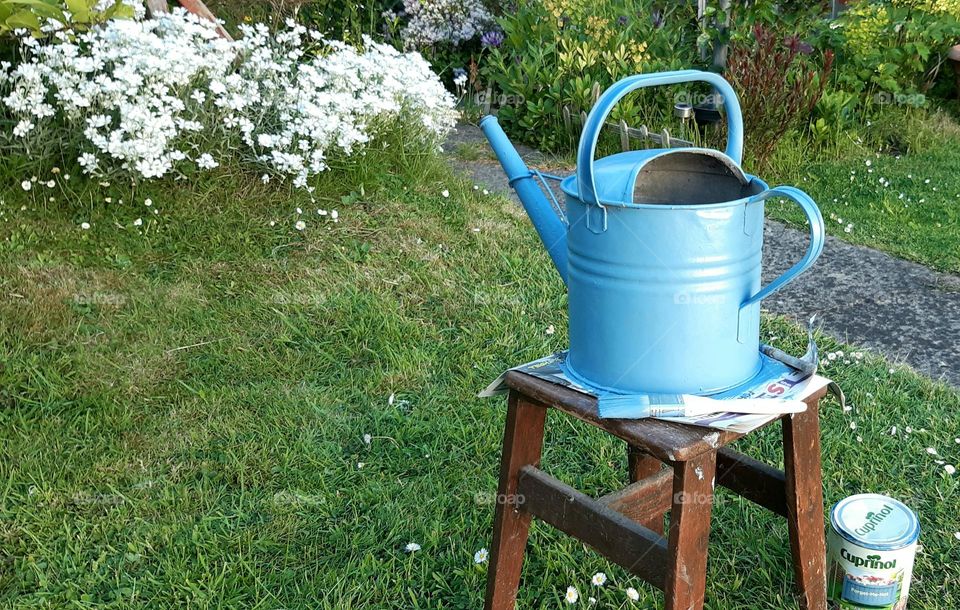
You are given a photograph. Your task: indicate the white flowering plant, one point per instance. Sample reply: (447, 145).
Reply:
(444, 21)
(145, 99)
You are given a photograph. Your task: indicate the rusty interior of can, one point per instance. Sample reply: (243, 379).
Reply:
(692, 177)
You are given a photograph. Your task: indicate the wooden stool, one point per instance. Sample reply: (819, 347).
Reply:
(626, 526)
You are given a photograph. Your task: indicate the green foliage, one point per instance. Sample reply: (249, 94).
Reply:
(183, 407)
(560, 54)
(348, 21)
(893, 47)
(779, 83)
(75, 15)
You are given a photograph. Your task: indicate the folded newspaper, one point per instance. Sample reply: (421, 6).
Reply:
(777, 389)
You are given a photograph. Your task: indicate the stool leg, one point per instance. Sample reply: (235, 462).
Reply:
(689, 532)
(522, 445)
(640, 466)
(804, 487)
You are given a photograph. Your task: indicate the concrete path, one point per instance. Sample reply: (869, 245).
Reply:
(903, 310)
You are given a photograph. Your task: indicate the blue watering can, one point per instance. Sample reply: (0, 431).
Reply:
(661, 253)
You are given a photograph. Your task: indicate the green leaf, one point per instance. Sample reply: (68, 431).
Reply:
(41, 8)
(80, 10)
(23, 19)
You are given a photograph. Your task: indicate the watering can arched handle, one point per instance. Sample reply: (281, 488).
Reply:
(817, 232)
(598, 116)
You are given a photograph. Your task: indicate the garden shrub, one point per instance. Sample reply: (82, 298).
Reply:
(893, 47)
(778, 84)
(557, 53)
(168, 96)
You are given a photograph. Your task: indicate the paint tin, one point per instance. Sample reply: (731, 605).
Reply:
(871, 547)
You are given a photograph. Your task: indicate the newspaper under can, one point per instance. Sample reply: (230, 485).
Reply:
(871, 547)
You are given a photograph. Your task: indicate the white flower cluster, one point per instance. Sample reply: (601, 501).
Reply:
(154, 97)
(292, 110)
(450, 21)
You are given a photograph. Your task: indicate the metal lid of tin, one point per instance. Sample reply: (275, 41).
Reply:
(875, 522)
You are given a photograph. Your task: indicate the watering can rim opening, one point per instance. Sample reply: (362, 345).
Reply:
(568, 185)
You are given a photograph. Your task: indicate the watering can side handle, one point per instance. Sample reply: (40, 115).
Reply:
(587, 149)
(817, 234)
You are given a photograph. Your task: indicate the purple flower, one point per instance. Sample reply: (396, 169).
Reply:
(656, 18)
(492, 39)
(622, 20)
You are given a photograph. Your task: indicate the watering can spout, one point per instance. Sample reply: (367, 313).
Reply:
(550, 226)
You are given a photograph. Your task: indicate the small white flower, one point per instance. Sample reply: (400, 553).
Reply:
(908, 429)
(84, 225)
(551, 329)
(893, 431)
(486, 192)
(26, 185)
(391, 400)
(853, 425)
(299, 211)
(300, 225)
(599, 579)
(632, 594)
(273, 223)
(360, 465)
(956, 535)
(480, 556)
(572, 595)
(927, 181)
(88, 161)
(23, 128)
(445, 193)
(412, 547)
(51, 184)
(951, 469)
(206, 161)
(868, 162)
(592, 600)
(367, 439)
(148, 202)
(931, 451)
(138, 222)
(198, 96)
(265, 178)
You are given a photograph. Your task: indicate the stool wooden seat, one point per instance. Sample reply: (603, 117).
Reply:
(626, 526)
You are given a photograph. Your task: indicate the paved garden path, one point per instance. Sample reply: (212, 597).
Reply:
(904, 310)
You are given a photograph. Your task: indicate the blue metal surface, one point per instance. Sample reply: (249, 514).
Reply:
(549, 225)
(601, 110)
(664, 296)
(655, 299)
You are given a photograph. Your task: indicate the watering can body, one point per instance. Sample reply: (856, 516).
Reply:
(661, 251)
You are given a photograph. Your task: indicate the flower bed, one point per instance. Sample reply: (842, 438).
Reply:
(147, 99)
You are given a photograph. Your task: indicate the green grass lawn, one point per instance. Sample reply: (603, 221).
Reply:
(184, 404)
(913, 213)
